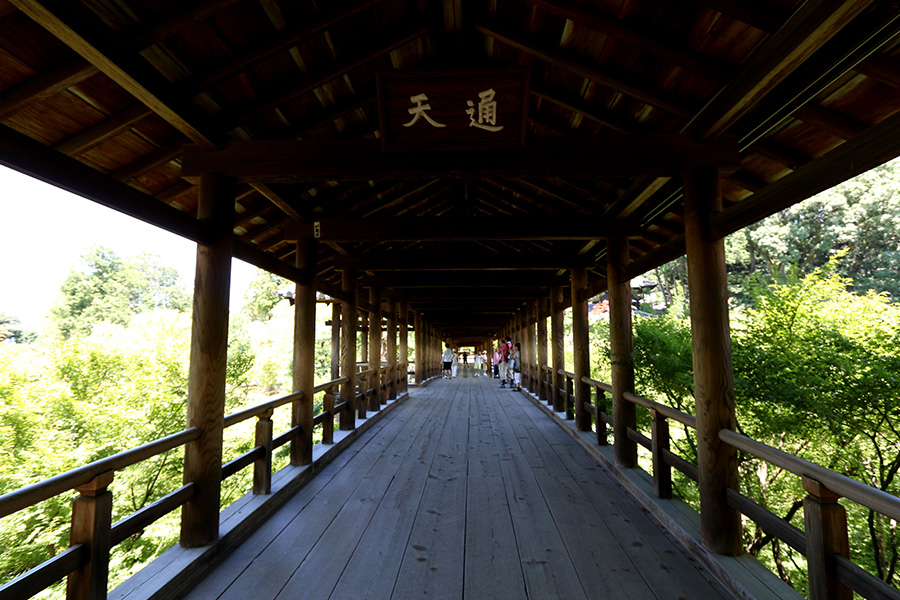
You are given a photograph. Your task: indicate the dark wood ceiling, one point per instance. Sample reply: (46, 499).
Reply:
(101, 96)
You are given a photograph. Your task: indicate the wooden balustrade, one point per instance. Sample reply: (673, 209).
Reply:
(86, 561)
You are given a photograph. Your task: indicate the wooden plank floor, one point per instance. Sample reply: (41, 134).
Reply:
(467, 491)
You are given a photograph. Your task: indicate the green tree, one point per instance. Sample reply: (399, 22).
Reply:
(112, 289)
(9, 330)
(264, 293)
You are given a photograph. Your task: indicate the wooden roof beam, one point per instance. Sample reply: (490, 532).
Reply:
(36, 89)
(94, 136)
(645, 42)
(765, 16)
(282, 41)
(122, 67)
(454, 262)
(298, 88)
(592, 157)
(557, 58)
(807, 30)
(413, 229)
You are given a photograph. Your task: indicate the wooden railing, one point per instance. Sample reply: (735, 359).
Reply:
(824, 542)
(86, 561)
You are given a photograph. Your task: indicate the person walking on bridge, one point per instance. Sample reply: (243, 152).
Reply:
(447, 359)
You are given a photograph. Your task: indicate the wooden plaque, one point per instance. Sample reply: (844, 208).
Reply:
(444, 110)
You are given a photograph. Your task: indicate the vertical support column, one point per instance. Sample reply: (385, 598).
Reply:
(91, 523)
(582, 358)
(403, 363)
(621, 342)
(421, 347)
(374, 380)
(391, 350)
(713, 375)
(558, 346)
(304, 372)
(209, 354)
(349, 324)
(531, 324)
(542, 349)
(335, 340)
(262, 467)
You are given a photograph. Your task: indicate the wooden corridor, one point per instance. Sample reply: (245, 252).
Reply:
(465, 491)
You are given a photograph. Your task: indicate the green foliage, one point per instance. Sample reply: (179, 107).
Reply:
(816, 373)
(110, 289)
(264, 293)
(10, 332)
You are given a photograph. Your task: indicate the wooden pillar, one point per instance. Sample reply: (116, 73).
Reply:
(421, 349)
(391, 350)
(531, 324)
(713, 376)
(557, 346)
(582, 358)
(335, 340)
(621, 349)
(403, 324)
(349, 325)
(374, 379)
(304, 372)
(209, 354)
(542, 348)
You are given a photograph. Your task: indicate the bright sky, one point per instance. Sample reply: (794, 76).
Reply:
(45, 231)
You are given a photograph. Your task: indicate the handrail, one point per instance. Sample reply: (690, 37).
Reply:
(566, 373)
(859, 492)
(330, 384)
(597, 383)
(259, 409)
(666, 411)
(38, 492)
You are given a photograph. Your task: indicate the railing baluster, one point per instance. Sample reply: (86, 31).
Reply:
(600, 405)
(662, 470)
(826, 536)
(262, 467)
(92, 526)
(328, 425)
(570, 398)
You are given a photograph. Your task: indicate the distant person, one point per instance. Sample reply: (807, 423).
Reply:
(505, 350)
(515, 367)
(479, 364)
(465, 356)
(454, 364)
(495, 363)
(447, 359)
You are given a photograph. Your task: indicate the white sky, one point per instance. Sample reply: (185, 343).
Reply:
(45, 230)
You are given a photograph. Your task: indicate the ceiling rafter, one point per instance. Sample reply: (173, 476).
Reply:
(644, 41)
(37, 88)
(581, 67)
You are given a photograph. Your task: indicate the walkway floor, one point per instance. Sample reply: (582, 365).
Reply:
(467, 491)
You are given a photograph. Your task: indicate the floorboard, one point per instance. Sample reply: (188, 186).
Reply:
(466, 490)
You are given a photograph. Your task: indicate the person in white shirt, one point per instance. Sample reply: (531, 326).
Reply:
(447, 359)
(479, 364)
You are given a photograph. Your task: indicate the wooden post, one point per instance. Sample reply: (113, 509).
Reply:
(557, 346)
(421, 348)
(349, 324)
(713, 376)
(209, 353)
(91, 524)
(600, 405)
(826, 536)
(582, 358)
(328, 425)
(621, 350)
(403, 364)
(304, 371)
(262, 467)
(374, 380)
(542, 349)
(530, 322)
(391, 350)
(336, 340)
(662, 471)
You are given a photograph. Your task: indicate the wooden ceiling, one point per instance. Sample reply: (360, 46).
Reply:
(102, 97)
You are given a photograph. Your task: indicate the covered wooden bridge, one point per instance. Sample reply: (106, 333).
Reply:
(466, 170)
